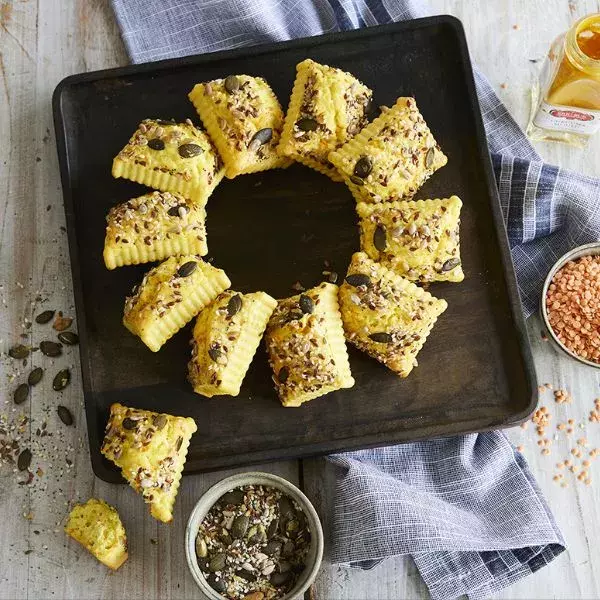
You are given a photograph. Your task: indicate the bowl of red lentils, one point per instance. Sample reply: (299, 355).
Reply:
(570, 306)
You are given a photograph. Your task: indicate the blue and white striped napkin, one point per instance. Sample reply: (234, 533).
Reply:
(467, 508)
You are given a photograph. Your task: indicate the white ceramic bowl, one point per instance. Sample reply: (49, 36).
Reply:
(592, 249)
(315, 553)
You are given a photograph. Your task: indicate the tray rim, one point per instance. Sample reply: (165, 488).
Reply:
(313, 449)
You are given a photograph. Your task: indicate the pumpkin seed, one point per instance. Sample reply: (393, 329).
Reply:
(283, 374)
(380, 238)
(284, 566)
(235, 497)
(24, 460)
(156, 144)
(288, 548)
(261, 137)
(201, 548)
(217, 562)
(226, 538)
(65, 415)
(306, 124)
(273, 547)
(216, 584)
(363, 167)
(358, 279)
(128, 423)
(381, 337)
(356, 180)
(234, 305)
(232, 84)
(50, 349)
(190, 150)
(450, 264)
(215, 353)
(285, 507)
(279, 579)
(159, 421)
(306, 304)
(273, 527)
(240, 526)
(21, 394)
(44, 317)
(19, 351)
(245, 575)
(429, 157)
(68, 337)
(35, 376)
(186, 269)
(61, 380)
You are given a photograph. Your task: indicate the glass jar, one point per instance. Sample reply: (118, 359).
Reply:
(566, 99)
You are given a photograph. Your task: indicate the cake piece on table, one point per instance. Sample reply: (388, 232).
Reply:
(154, 227)
(244, 119)
(97, 527)
(150, 449)
(226, 336)
(171, 157)
(417, 239)
(171, 295)
(305, 342)
(385, 315)
(391, 157)
(327, 108)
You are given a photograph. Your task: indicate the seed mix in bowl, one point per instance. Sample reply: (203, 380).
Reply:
(253, 543)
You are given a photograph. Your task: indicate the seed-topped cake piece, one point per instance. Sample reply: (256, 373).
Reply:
(417, 239)
(226, 336)
(98, 528)
(305, 342)
(150, 449)
(244, 119)
(327, 108)
(385, 315)
(390, 158)
(172, 157)
(154, 227)
(171, 295)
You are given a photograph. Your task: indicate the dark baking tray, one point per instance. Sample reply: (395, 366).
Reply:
(271, 229)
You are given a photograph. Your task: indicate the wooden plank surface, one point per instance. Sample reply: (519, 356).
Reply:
(41, 42)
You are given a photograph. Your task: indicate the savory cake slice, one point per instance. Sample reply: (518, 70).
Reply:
(150, 449)
(226, 336)
(327, 108)
(171, 295)
(154, 227)
(305, 342)
(391, 157)
(97, 527)
(417, 239)
(244, 119)
(172, 157)
(385, 315)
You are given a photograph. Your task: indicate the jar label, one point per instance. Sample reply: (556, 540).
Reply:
(567, 118)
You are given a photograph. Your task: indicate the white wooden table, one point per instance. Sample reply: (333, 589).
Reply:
(40, 43)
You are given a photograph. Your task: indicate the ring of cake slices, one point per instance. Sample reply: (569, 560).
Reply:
(380, 307)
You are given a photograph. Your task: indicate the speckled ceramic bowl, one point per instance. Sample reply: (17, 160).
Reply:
(585, 250)
(315, 553)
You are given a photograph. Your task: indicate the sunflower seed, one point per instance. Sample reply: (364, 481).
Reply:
(128, 423)
(61, 380)
(178, 444)
(19, 351)
(24, 460)
(363, 167)
(50, 349)
(306, 124)
(429, 158)
(380, 238)
(21, 393)
(44, 317)
(356, 180)
(283, 374)
(450, 264)
(332, 277)
(173, 211)
(65, 415)
(232, 84)
(381, 337)
(35, 376)
(306, 304)
(234, 305)
(190, 150)
(187, 269)
(358, 279)
(68, 337)
(165, 123)
(156, 144)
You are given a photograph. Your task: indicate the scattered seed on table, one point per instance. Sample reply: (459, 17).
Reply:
(24, 460)
(65, 415)
(35, 376)
(19, 351)
(44, 317)
(68, 337)
(21, 393)
(61, 380)
(51, 349)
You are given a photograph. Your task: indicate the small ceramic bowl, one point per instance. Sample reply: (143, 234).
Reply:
(210, 497)
(585, 250)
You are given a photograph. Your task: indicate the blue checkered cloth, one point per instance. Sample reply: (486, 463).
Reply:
(467, 509)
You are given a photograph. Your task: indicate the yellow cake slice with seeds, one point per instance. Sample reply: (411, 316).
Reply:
(327, 108)
(154, 227)
(150, 449)
(305, 342)
(171, 157)
(97, 527)
(417, 239)
(385, 315)
(171, 295)
(226, 336)
(244, 119)
(390, 158)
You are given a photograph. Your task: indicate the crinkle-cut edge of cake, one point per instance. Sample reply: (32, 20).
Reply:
(244, 349)
(164, 181)
(366, 209)
(178, 316)
(230, 159)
